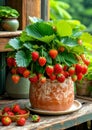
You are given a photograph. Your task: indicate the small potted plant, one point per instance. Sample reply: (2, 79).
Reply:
(84, 87)
(48, 54)
(8, 18)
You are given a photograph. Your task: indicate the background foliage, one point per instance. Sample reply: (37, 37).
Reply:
(80, 10)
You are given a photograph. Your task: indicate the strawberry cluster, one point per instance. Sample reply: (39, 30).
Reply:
(54, 53)
(9, 112)
(56, 71)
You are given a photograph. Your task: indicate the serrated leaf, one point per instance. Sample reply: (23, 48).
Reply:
(86, 37)
(63, 28)
(28, 45)
(69, 42)
(15, 43)
(23, 58)
(41, 31)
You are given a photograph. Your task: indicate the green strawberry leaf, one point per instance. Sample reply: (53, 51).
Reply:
(86, 37)
(40, 31)
(23, 58)
(15, 43)
(63, 28)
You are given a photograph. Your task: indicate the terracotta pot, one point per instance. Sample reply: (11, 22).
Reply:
(52, 95)
(10, 24)
(82, 87)
(19, 90)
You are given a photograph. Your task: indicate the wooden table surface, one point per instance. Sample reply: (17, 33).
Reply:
(59, 122)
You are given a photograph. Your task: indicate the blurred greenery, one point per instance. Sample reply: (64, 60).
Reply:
(80, 10)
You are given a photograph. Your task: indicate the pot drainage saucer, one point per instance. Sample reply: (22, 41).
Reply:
(75, 106)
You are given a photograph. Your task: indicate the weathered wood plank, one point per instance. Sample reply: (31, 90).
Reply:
(54, 122)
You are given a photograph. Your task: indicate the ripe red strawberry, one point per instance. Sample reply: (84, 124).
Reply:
(71, 71)
(42, 79)
(87, 61)
(74, 78)
(21, 121)
(6, 109)
(78, 68)
(35, 55)
(53, 77)
(35, 118)
(80, 76)
(65, 67)
(84, 69)
(15, 78)
(33, 78)
(58, 68)
(16, 108)
(26, 73)
(53, 53)
(66, 74)
(6, 120)
(10, 113)
(21, 70)
(22, 111)
(42, 61)
(49, 70)
(61, 78)
(10, 61)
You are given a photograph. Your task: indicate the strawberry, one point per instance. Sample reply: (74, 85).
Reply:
(61, 49)
(35, 118)
(6, 109)
(6, 120)
(42, 61)
(10, 113)
(49, 70)
(58, 68)
(79, 76)
(84, 69)
(87, 61)
(53, 53)
(42, 79)
(16, 108)
(53, 77)
(61, 78)
(10, 61)
(15, 78)
(66, 74)
(65, 67)
(26, 73)
(35, 55)
(71, 71)
(21, 121)
(21, 70)
(33, 78)
(78, 68)
(74, 78)
(22, 111)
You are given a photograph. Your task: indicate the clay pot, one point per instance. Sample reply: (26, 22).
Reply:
(19, 90)
(10, 24)
(82, 87)
(52, 95)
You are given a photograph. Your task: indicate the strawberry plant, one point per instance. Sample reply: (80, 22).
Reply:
(50, 49)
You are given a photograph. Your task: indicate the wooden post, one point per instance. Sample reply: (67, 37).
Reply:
(26, 8)
(45, 9)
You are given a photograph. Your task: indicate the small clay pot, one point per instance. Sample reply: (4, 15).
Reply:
(10, 24)
(82, 87)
